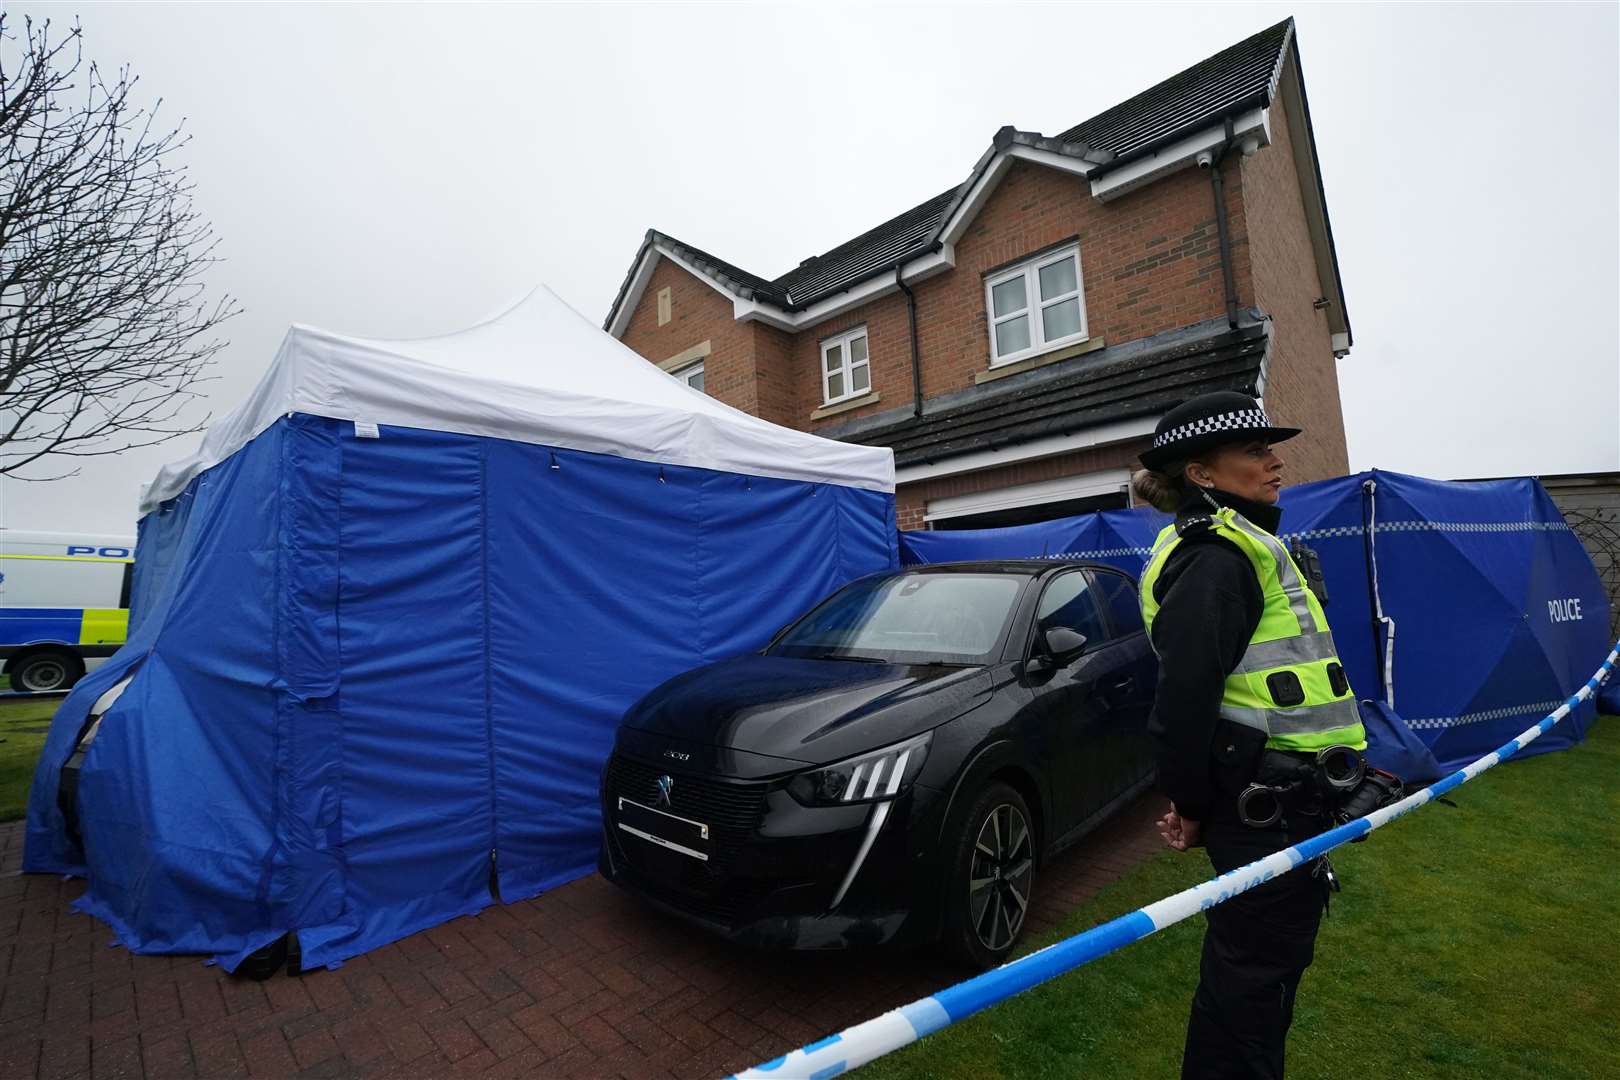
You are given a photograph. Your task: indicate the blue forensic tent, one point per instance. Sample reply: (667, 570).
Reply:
(386, 620)
(1119, 538)
(1471, 608)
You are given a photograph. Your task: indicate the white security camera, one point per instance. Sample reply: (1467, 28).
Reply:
(1205, 159)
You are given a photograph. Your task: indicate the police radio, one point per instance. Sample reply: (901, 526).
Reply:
(1311, 567)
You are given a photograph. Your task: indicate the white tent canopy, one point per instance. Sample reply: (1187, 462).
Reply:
(540, 373)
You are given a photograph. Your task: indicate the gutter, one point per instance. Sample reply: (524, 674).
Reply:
(1259, 100)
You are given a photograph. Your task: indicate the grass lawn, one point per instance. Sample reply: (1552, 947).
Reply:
(23, 723)
(1475, 941)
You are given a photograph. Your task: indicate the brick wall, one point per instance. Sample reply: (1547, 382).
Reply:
(911, 500)
(1150, 260)
(778, 390)
(1150, 263)
(888, 344)
(1302, 388)
(698, 313)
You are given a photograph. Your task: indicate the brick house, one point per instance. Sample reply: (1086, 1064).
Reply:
(1016, 338)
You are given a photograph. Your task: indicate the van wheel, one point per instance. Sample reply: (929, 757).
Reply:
(42, 672)
(992, 878)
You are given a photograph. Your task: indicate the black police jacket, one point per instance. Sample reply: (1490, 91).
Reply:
(1209, 607)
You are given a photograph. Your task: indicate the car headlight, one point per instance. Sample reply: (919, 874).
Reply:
(871, 777)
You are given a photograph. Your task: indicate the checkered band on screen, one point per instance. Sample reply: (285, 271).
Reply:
(1243, 420)
(1431, 526)
(1439, 722)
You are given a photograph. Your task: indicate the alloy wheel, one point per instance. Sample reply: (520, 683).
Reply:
(41, 676)
(1000, 877)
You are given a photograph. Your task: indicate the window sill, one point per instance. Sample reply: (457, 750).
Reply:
(847, 404)
(1041, 360)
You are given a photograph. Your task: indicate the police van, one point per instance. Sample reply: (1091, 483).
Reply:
(64, 605)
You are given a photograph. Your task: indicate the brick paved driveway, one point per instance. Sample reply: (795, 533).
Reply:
(581, 981)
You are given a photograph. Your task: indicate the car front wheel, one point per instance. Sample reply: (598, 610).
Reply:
(992, 877)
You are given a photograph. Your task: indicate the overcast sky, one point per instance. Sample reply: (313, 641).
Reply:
(406, 171)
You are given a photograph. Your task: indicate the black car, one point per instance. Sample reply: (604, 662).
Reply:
(893, 766)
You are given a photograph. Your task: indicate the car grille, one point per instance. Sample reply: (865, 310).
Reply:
(710, 890)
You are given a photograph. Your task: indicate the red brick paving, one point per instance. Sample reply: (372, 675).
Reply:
(581, 981)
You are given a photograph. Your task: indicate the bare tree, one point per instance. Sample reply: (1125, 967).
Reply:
(105, 330)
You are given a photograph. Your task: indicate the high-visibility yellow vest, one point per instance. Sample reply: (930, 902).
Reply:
(1290, 683)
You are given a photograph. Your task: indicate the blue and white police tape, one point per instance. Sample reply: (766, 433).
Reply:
(862, 1043)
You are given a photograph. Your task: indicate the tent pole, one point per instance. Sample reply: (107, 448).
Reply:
(1373, 625)
(1383, 625)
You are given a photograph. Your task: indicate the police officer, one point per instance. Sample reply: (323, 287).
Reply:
(1246, 670)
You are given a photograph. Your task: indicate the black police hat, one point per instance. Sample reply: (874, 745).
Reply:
(1210, 420)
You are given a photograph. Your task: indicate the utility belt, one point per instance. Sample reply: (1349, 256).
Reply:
(1335, 782)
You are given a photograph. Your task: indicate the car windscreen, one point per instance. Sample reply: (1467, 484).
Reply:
(908, 619)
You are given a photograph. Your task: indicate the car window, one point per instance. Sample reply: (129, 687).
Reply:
(908, 618)
(1071, 601)
(1116, 593)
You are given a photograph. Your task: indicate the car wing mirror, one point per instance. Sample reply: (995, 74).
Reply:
(1062, 645)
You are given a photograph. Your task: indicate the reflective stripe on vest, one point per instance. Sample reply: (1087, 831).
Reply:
(1286, 652)
(1303, 721)
(1292, 636)
(1300, 599)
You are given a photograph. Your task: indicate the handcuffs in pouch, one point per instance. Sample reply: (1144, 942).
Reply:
(1339, 778)
(1338, 781)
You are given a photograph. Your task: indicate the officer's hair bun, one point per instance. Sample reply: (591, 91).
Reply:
(1160, 490)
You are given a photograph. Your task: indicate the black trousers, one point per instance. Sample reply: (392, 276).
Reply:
(1256, 947)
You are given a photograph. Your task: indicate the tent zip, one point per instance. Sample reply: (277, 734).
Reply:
(489, 715)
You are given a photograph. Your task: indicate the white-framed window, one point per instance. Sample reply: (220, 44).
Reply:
(692, 376)
(845, 368)
(1035, 306)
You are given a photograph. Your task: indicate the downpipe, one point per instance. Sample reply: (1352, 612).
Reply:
(1210, 161)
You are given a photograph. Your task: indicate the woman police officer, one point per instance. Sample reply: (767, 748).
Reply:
(1246, 669)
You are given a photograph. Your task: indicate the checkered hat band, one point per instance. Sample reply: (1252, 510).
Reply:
(1242, 420)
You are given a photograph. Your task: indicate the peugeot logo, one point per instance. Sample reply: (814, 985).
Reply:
(666, 786)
